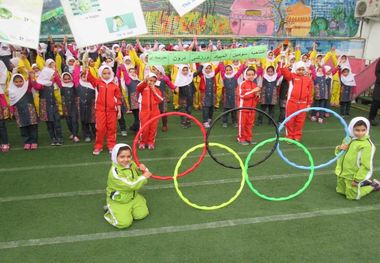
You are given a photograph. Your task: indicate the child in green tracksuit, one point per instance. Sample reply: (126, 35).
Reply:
(354, 169)
(124, 203)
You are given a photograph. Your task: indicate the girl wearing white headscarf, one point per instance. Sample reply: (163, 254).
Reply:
(125, 178)
(348, 84)
(48, 78)
(4, 142)
(69, 103)
(21, 99)
(107, 107)
(354, 170)
(185, 84)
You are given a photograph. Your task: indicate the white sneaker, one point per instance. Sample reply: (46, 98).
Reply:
(124, 133)
(206, 125)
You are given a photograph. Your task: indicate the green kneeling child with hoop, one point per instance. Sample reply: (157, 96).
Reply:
(354, 169)
(124, 203)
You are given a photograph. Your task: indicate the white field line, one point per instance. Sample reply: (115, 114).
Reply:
(161, 139)
(186, 228)
(54, 166)
(159, 187)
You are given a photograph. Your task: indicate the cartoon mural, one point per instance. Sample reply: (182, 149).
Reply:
(300, 18)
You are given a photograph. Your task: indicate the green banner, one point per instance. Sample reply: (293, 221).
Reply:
(185, 57)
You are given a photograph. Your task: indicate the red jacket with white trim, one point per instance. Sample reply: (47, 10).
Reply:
(300, 87)
(108, 96)
(246, 96)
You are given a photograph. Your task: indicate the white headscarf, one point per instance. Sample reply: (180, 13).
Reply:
(272, 58)
(232, 75)
(100, 71)
(160, 69)
(115, 151)
(345, 64)
(48, 62)
(298, 65)
(183, 80)
(270, 78)
(15, 93)
(348, 80)
(208, 75)
(67, 85)
(354, 121)
(71, 67)
(245, 73)
(44, 78)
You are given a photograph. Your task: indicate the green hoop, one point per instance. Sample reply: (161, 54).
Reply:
(300, 191)
(208, 208)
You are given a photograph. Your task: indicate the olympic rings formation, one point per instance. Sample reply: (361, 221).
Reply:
(282, 125)
(243, 166)
(137, 137)
(238, 109)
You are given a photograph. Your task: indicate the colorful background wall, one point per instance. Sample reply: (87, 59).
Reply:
(239, 17)
(259, 18)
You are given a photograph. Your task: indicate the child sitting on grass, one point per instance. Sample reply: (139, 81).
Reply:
(124, 203)
(354, 169)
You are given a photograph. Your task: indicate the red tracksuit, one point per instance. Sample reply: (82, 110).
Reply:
(108, 98)
(246, 98)
(300, 96)
(149, 108)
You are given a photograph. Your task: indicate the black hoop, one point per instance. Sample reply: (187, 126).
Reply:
(238, 109)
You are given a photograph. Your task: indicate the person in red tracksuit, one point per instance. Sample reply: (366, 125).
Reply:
(300, 96)
(150, 97)
(107, 107)
(247, 96)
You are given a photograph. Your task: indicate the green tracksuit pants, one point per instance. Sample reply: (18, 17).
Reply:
(344, 186)
(121, 215)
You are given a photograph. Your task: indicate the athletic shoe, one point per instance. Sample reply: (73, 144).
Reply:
(142, 146)
(124, 133)
(5, 148)
(34, 146)
(164, 128)
(313, 118)
(225, 125)
(244, 143)
(206, 125)
(151, 146)
(320, 120)
(59, 142)
(87, 139)
(27, 147)
(97, 151)
(252, 143)
(53, 142)
(71, 137)
(76, 139)
(376, 185)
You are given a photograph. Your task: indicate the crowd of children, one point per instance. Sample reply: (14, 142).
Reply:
(93, 88)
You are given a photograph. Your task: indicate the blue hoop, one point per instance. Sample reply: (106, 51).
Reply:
(282, 125)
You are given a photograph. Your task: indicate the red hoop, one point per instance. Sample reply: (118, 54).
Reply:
(174, 113)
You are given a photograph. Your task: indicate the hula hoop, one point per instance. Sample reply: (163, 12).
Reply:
(342, 121)
(201, 207)
(237, 109)
(300, 191)
(201, 157)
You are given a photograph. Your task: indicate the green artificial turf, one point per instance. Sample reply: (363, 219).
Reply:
(59, 192)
